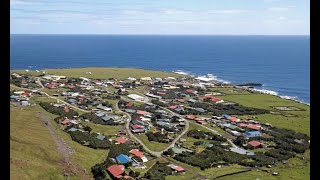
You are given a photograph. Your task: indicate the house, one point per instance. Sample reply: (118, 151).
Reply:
(71, 101)
(255, 144)
(233, 119)
(123, 159)
(177, 150)
(130, 111)
(176, 168)
(100, 114)
(100, 106)
(180, 100)
(116, 170)
(190, 117)
(136, 97)
(121, 140)
(24, 103)
(238, 150)
(200, 110)
(66, 122)
(252, 134)
(173, 107)
(132, 79)
(73, 129)
(235, 133)
(137, 128)
(140, 112)
(153, 95)
(191, 91)
(192, 100)
(230, 126)
(101, 137)
(139, 154)
(145, 79)
(254, 127)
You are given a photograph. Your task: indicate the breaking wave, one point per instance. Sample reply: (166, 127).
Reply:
(215, 78)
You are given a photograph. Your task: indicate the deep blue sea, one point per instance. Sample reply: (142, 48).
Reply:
(280, 63)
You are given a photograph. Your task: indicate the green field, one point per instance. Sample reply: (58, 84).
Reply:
(103, 73)
(300, 122)
(104, 129)
(152, 145)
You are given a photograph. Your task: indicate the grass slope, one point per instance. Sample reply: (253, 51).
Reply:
(33, 153)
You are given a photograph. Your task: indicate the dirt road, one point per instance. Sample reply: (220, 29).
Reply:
(65, 150)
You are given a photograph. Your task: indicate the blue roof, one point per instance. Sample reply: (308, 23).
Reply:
(251, 153)
(252, 133)
(123, 159)
(225, 116)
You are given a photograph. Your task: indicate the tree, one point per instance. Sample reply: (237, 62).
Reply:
(87, 128)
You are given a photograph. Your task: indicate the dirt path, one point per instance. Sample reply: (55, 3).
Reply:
(64, 149)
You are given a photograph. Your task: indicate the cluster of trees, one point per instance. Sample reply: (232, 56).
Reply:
(158, 172)
(90, 139)
(216, 155)
(97, 120)
(58, 110)
(99, 170)
(220, 109)
(158, 137)
(205, 135)
(285, 140)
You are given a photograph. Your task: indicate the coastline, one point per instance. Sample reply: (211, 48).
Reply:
(262, 91)
(185, 73)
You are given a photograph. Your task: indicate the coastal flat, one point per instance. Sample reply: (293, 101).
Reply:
(107, 72)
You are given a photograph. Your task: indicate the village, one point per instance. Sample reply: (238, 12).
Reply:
(183, 120)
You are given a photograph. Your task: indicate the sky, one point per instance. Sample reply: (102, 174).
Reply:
(197, 17)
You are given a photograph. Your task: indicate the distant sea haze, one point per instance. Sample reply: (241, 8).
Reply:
(280, 63)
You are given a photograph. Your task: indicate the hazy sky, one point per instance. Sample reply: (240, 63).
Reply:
(245, 17)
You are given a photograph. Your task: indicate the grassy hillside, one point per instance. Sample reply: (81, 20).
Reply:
(103, 73)
(33, 153)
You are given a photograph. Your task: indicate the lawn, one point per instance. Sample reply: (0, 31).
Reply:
(152, 145)
(104, 73)
(300, 122)
(33, 153)
(229, 90)
(104, 129)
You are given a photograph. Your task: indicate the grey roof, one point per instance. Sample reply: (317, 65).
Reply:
(72, 100)
(73, 129)
(177, 150)
(130, 110)
(106, 118)
(101, 137)
(100, 114)
(192, 100)
(238, 150)
(200, 109)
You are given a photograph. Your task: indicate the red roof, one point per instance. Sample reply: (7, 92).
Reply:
(180, 100)
(243, 125)
(255, 127)
(67, 121)
(161, 93)
(190, 116)
(121, 140)
(232, 118)
(136, 126)
(116, 170)
(179, 169)
(215, 99)
(142, 112)
(129, 104)
(190, 91)
(137, 153)
(66, 109)
(71, 87)
(254, 143)
(173, 107)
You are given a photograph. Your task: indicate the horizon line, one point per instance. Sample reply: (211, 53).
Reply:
(168, 34)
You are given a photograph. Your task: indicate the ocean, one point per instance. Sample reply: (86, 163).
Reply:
(280, 63)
